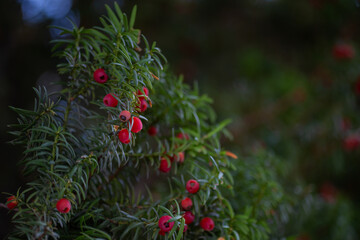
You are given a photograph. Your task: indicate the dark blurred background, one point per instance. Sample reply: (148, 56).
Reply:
(268, 64)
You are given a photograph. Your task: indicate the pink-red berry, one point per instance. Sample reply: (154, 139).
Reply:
(164, 225)
(110, 101)
(152, 131)
(343, 51)
(180, 157)
(185, 228)
(192, 186)
(124, 116)
(145, 90)
(124, 136)
(135, 125)
(162, 233)
(186, 204)
(207, 224)
(165, 166)
(189, 217)
(11, 202)
(100, 76)
(63, 205)
(183, 136)
(143, 105)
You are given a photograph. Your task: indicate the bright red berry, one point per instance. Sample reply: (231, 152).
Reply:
(189, 217)
(164, 225)
(192, 186)
(343, 51)
(207, 224)
(145, 90)
(124, 136)
(351, 142)
(183, 136)
(63, 205)
(186, 203)
(110, 101)
(152, 131)
(12, 202)
(125, 116)
(100, 76)
(143, 105)
(135, 125)
(165, 166)
(180, 157)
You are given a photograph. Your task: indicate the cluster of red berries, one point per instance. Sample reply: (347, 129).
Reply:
(134, 123)
(142, 103)
(179, 157)
(206, 223)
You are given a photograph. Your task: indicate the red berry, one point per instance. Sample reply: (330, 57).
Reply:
(207, 224)
(192, 186)
(12, 202)
(183, 136)
(185, 228)
(143, 105)
(165, 166)
(110, 101)
(152, 131)
(100, 76)
(135, 124)
(124, 116)
(164, 225)
(63, 205)
(124, 136)
(189, 217)
(179, 157)
(186, 203)
(162, 233)
(343, 51)
(145, 90)
(351, 142)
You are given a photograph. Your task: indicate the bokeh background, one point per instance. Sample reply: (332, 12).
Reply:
(273, 66)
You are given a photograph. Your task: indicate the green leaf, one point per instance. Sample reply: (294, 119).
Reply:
(132, 17)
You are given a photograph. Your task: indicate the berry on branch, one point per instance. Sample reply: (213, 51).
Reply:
(165, 165)
(135, 125)
(189, 217)
(207, 224)
(124, 136)
(125, 116)
(186, 203)
(164, 225)
(100, 76)
(63, 205)
(110, 101)
(192, 186)
(11, 202)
